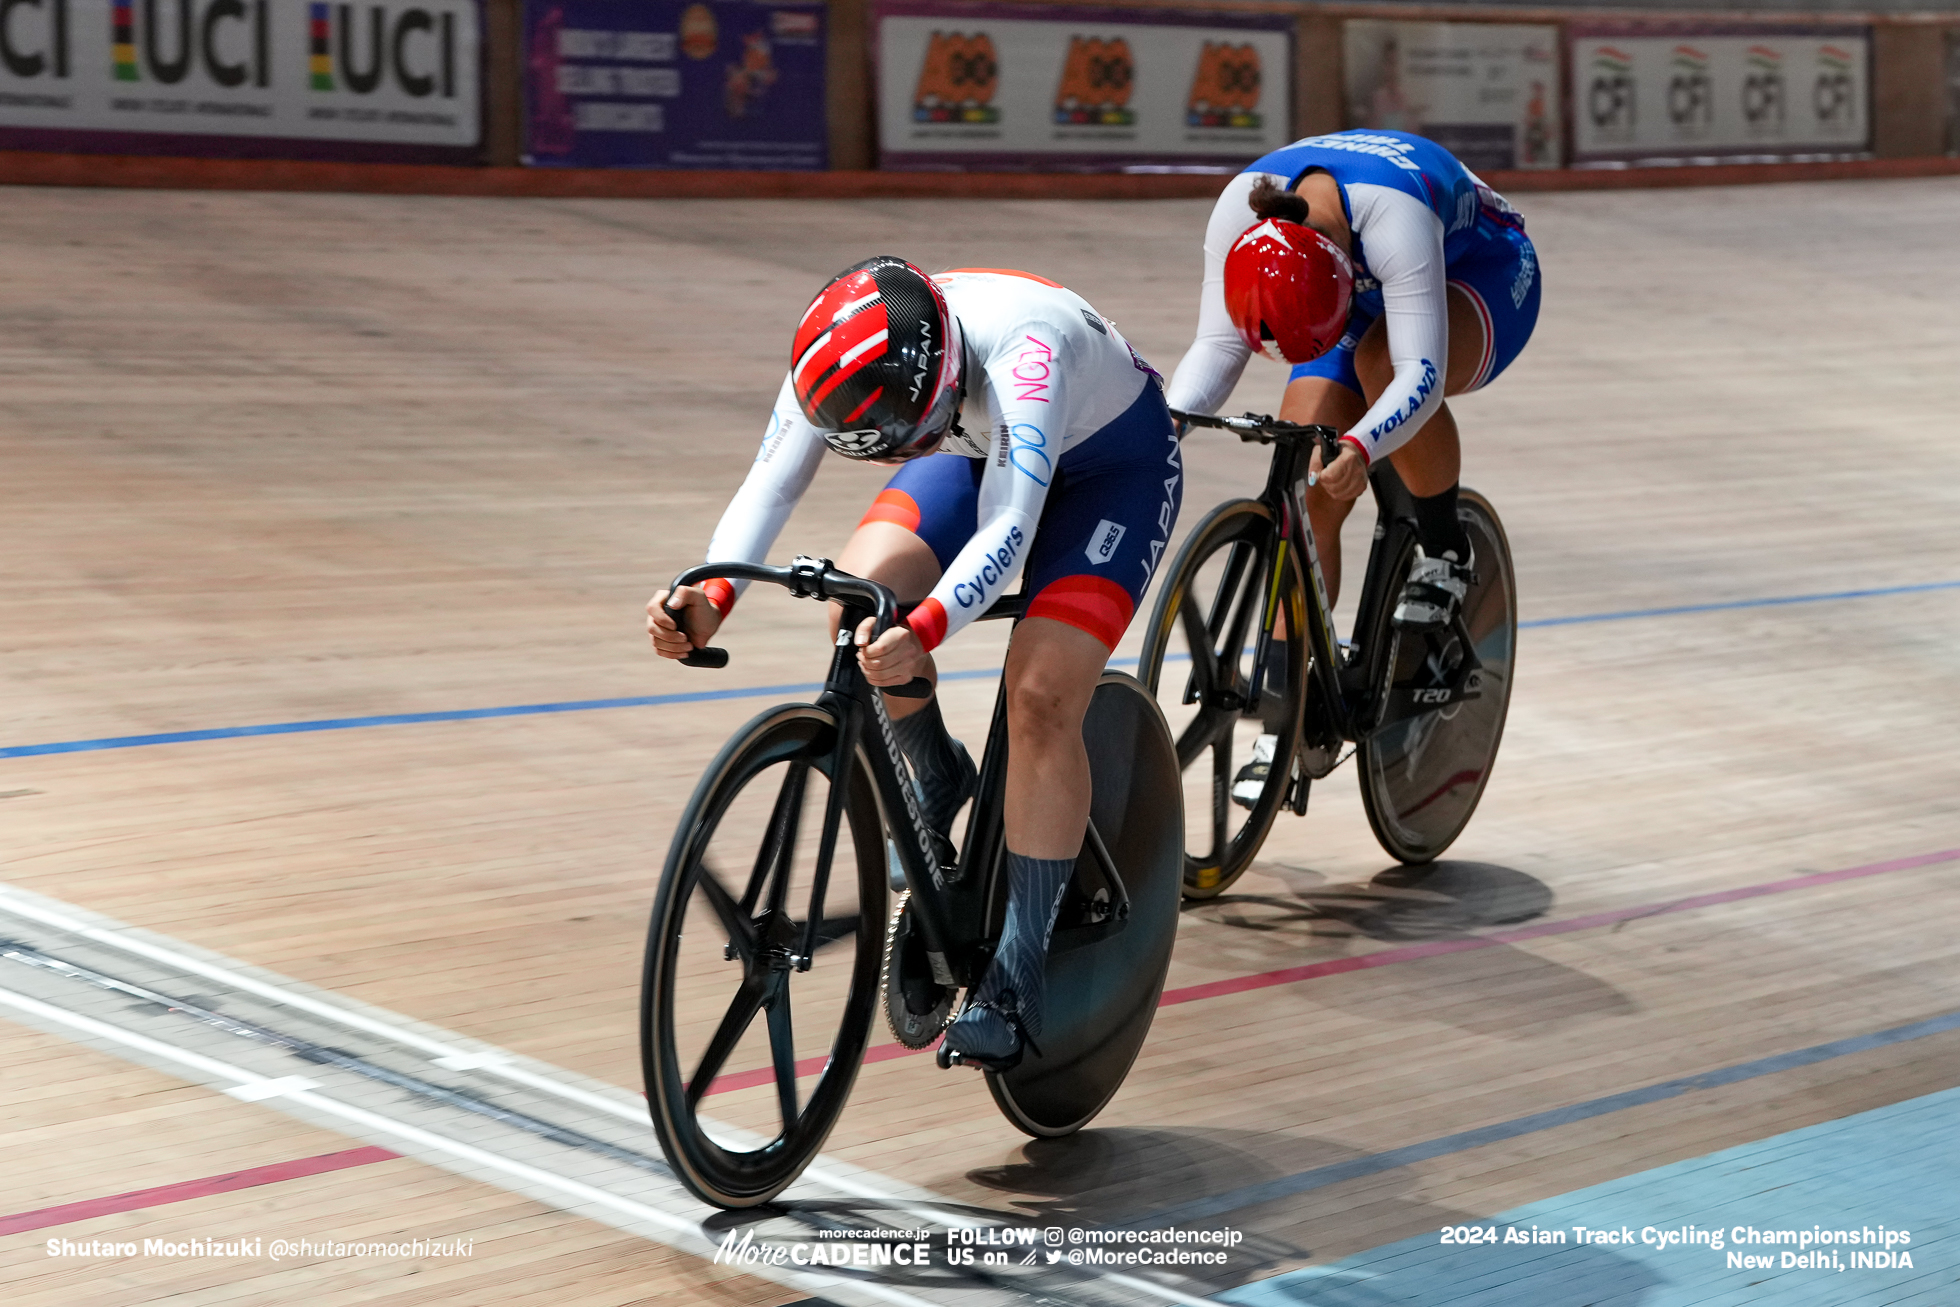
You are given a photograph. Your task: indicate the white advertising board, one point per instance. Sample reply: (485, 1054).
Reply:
(396, 72)
(1773, 93)
(1487, 92)
(966, 87)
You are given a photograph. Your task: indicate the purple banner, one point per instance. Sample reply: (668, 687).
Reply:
(672, 84)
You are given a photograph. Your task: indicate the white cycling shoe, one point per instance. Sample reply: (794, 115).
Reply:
(1433, 593)
(1250, 783)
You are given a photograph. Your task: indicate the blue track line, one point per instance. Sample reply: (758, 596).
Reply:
(1778, 602)
(1374, 1163)
(759, 691)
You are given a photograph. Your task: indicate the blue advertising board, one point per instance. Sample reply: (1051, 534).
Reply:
(674, 84)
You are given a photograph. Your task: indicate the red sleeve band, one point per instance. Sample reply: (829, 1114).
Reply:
(720, 593)
(1365, 460)
(928, 622)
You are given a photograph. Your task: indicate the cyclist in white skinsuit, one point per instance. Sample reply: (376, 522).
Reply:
(1032, 438)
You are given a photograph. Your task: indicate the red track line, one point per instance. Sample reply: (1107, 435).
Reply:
(217, 1184)
(810, 1066)
(1436, 948)
(66, 1213)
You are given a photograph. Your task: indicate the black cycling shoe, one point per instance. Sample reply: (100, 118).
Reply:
(988, 1035)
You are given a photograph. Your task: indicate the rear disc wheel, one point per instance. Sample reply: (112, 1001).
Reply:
(1103, 980)
(1423, 771)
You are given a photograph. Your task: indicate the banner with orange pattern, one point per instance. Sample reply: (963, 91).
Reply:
(987, 85)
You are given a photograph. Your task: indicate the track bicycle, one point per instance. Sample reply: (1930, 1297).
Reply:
(755, 918)
(1242, 654)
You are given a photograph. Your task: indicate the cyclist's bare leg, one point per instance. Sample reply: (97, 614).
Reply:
(1316, 399)
(1052, 669)
(889, 554)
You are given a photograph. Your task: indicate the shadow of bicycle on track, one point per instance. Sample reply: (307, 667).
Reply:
(1435, 901)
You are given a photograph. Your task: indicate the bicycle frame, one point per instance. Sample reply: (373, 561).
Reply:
(953, 906)
(1347, 678)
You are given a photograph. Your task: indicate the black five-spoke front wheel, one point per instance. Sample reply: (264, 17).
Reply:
(747, 1010)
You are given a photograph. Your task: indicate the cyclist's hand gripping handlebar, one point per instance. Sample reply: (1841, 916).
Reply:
(806, 578)
(701, 657)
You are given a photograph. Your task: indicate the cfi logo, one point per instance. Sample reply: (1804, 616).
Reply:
(1762, 89)
(1690, 105)
(1609, 93)
(228, 42)
(1833, 94)
(958, 80)
(1095, 86)
(1225, 88)
(361, 48)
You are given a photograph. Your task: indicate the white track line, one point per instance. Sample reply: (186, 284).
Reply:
(291, 1087)
(922, 1203)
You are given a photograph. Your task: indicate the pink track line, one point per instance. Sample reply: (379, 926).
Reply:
(810, 1066)
(44, 1217)
(1437, 948)
(184, 1191)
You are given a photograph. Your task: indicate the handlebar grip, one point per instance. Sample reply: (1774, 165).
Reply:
(701, 657)
(916, 688)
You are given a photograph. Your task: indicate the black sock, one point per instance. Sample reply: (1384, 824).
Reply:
(945, 772)
(1437, 527)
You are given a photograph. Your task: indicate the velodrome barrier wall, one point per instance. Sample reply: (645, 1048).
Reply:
(1158, 90)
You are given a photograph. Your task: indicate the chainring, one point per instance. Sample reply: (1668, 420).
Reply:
(909, 985)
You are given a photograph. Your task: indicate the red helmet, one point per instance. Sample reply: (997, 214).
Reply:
(1288, 284)
(877, 362)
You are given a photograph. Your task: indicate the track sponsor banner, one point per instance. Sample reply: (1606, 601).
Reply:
(1487, 92)
(269, 77)
(674, 84)
(1719, 92)
(991, 86)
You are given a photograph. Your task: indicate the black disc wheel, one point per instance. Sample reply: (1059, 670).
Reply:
(1425, 765)
(746, 1011)
(1200, 660)
(1105, 970)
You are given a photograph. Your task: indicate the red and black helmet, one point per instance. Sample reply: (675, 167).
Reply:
(877, 362)
(1288, 284)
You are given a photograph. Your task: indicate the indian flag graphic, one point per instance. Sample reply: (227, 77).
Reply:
(1688, 59)
(1761, 56)
(1607, 59)
(1833, 59)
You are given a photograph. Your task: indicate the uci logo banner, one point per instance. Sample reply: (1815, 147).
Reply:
(401, 72)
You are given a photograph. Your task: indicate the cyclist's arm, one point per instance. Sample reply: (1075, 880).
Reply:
(1012, 489)
(1404, 241)
(784, 466)
(1210, 368)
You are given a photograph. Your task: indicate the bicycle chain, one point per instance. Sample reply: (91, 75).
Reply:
(912, 1029)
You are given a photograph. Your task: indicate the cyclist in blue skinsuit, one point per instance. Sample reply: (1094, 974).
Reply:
(1444, 294)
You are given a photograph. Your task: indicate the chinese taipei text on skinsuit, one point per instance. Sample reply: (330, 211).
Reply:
(1032, 439)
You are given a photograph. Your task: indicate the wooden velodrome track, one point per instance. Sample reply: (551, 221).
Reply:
(302, 459)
